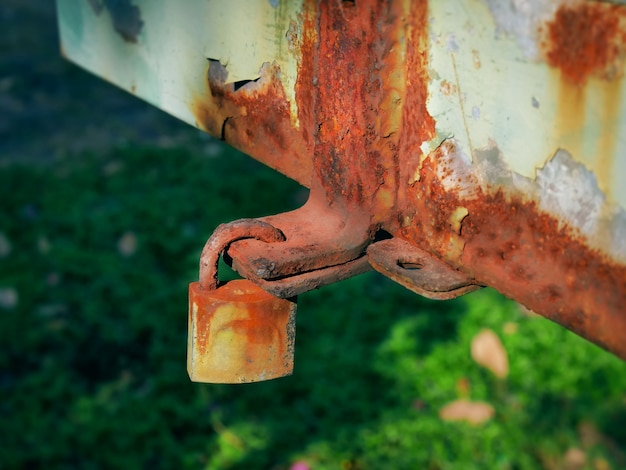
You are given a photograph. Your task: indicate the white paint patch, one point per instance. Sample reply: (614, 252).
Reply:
(563, 188)
(520, 19)
(568, 189)
(484, 55)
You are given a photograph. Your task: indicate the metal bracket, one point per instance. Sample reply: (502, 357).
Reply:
(418, 270)
(324, 243)
(296, 284)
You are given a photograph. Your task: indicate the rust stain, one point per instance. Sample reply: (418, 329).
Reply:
(255, 119)
(610, 111)
(511, 245)
(571, 115)
(305, 81)
(586, 39)
(585, 43)
(417, 124)
(361, 94)
(447, 88)
(350, 73)
(571, 284)
(476, 59)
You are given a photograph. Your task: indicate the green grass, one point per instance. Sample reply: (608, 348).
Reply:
(93, 371)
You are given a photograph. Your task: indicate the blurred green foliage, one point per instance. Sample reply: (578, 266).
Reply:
(95, 257)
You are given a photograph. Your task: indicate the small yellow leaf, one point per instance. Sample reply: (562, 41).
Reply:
(574, 459)
(463, 387)
(600, 464)
(509, 328)
(9, 298)
(589, 434)
(474, 412)
(487, 350)
(127, 244)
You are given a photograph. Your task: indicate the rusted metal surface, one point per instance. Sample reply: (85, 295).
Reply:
(240, 117)
(310, 245)
(237, 331)
(498, 227)
(223, 236)
(586, 39)
(298, 283)
(488, 135)
(418, 270)
(171, 56)
(353, 171)
(506, 241)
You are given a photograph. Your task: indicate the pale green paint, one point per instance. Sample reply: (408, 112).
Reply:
(505, 94)
(167, 65)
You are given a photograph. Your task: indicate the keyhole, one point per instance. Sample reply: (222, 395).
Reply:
(410, 265)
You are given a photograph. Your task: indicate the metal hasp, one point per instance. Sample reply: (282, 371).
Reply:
(447, 144)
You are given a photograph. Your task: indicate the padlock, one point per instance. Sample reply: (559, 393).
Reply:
(237, 331)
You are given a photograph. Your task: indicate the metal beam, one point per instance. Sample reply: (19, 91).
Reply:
(487, 134)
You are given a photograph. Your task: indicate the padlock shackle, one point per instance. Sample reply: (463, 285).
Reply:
(223, 236)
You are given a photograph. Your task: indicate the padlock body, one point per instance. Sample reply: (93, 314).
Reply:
(239, 333)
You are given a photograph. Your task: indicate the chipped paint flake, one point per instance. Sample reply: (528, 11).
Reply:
(530, 238)
(525, 78)
(563, 188)
(457, 217)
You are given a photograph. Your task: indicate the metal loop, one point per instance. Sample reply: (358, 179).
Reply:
(419, 270)
(223, 236)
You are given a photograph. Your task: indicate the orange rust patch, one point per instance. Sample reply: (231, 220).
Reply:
(586, 39)
(257, 121)
(305, 83)
(349, 79)
(476, 59)
(417, 124)
(361, 95)
(586, 45)
(522, 252)
(239, 333)
(366, 79)
(447, 88)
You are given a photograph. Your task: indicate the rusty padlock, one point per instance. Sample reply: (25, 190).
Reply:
(237, 331)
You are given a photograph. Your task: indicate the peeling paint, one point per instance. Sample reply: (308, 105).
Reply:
(584, 39)
(563, 188)
(490, 134)
(520, 20)
(535, 91)
(456, 218)
(240, 118)
(514, 242)
(167, 64)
